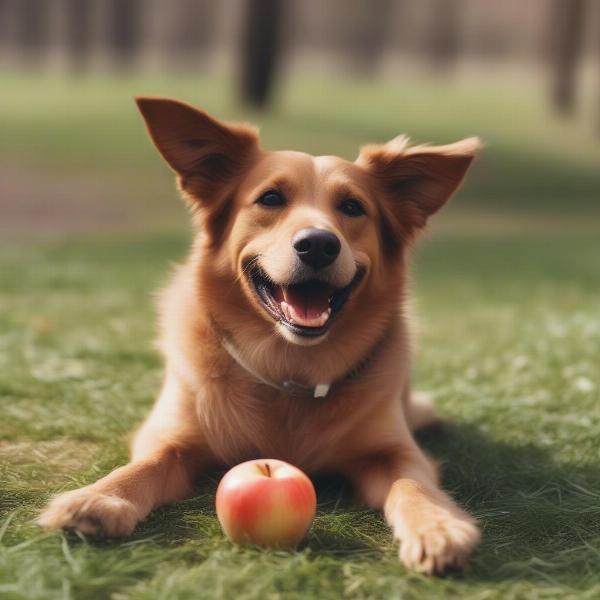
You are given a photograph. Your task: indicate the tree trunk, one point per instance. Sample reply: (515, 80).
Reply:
(124, 31)
(78, 33)
(260, 49)
(596, 34)
(444, 39)
(195, 25)
(361, 36)
(31, 29)
(3, 18)
(566, 29)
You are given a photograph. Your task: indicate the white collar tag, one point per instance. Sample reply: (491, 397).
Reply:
(321, 390)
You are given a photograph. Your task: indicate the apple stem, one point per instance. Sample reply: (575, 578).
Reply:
(268, 469)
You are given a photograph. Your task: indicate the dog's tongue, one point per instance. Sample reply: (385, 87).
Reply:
(306, 304)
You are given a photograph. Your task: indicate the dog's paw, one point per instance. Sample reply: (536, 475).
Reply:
(90, 512)
(443, 541)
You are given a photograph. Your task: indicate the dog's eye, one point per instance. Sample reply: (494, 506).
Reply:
(352, 208)
(271, 199)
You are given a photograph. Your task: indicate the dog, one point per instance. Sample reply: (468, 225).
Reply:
(285, 333)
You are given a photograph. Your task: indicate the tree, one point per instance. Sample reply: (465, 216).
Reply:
(31, 28)
(566, 26)
(362, 34)
(444, 38)
(3, 18)
(597, 49)
(260, 49)
(194, 27)
(124, 30)
(78, 32)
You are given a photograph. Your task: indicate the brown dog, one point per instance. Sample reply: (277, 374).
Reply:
(284, 332)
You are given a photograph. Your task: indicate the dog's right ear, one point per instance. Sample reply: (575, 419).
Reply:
(208, 155)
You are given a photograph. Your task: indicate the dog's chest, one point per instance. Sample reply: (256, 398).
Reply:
(254, 421)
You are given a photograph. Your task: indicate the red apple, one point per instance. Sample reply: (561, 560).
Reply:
(266, 502)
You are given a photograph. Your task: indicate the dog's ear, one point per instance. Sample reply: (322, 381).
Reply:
(208, 155)
(415, 181)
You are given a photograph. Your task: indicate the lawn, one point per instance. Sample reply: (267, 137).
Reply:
(508, 345)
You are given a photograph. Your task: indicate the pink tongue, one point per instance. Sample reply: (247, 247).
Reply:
(308, 301)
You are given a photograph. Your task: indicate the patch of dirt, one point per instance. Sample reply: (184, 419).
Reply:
(33, 203)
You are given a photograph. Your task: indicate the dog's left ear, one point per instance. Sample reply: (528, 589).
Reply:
(415, 181)
(208, 155)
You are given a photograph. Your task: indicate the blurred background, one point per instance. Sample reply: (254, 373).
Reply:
(507, 278)
(324, 77)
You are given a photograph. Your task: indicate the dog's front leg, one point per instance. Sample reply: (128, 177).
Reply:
(166, 458)
(433, 532)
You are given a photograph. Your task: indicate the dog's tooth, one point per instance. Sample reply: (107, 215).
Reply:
(287, 312)
(293, 315)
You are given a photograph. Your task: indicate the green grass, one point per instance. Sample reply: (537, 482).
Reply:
(508, 336)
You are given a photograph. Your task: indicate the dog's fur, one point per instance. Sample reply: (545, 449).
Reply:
(225, 354)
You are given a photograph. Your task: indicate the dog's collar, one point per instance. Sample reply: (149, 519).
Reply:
(293, 387)
(288, 385)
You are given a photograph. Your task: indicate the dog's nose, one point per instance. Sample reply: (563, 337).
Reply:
(317, 248)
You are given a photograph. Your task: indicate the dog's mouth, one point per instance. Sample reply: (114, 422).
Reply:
(307, 308)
